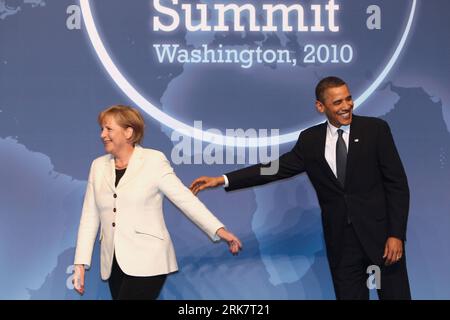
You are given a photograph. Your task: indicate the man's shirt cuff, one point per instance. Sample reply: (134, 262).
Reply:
(225, 185)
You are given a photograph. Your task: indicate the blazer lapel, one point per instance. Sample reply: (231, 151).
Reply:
(133, 168)
(110, 173)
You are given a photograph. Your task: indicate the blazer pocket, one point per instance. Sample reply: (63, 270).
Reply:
(148, 231)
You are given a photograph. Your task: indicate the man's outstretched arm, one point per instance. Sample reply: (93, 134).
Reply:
(288, 165)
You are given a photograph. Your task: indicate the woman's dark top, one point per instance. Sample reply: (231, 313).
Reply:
(119, 175)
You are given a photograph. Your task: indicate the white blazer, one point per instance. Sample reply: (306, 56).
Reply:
(130, 216)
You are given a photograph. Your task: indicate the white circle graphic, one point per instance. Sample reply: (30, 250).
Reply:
(121, 81)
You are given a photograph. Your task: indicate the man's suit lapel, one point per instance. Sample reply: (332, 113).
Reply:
(321, 154)
(354, 147)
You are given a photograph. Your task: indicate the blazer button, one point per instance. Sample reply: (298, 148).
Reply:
(114, 210)
(113, 224)
(115, 195)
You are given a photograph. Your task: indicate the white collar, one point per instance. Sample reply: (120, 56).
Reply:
(333, 130)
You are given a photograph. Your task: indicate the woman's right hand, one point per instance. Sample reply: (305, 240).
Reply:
(78, 278)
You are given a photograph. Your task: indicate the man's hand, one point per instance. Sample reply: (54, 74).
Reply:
(234, 243)
(78, 278)
(202, 183)
(393, 251)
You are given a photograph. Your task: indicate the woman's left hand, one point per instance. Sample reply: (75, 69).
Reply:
(234, 243)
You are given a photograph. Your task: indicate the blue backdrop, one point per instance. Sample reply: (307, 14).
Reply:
(62, 61)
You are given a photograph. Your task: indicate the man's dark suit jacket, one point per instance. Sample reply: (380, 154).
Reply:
(375, 196)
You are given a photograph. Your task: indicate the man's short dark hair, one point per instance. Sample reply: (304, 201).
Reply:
(326, 83)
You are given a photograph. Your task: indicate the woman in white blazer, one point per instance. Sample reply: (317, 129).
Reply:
(124, 198)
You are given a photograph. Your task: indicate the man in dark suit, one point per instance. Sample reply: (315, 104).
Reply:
(362, 189)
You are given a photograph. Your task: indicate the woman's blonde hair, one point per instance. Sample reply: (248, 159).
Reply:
(126, 117)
